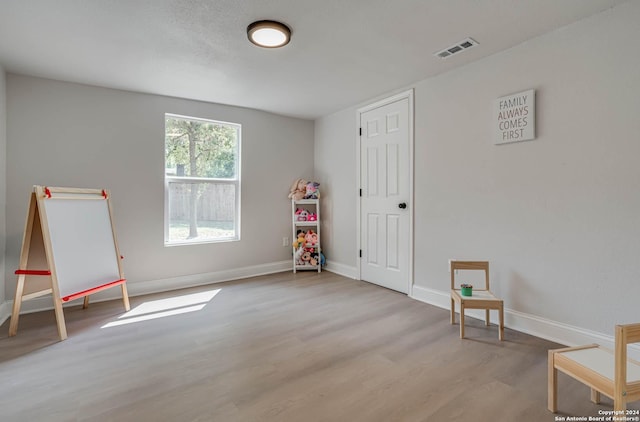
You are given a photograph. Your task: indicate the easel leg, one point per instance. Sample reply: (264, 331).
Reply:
(125, 297)
(17, 303)
(62, 328)
(85, 304)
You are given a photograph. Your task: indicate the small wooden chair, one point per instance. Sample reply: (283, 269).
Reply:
(481, 298)
(604, 371)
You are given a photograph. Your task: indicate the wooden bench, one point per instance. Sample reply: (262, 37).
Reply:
(605, 371)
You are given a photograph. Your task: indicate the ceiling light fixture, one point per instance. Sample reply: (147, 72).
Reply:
(269, 34)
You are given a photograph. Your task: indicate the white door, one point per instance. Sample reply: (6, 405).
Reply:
(385, 217)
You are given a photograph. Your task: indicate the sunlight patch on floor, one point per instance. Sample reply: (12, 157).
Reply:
(165, 307)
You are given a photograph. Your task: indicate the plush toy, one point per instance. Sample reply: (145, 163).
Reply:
(298, 256)
(314, 259)
(300, 240)
(298, 189)
(306, 258)
(302, 215)
(311, 238)
(312, 190)
(313, 217)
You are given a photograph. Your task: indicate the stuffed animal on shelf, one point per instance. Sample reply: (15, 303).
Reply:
(312, 190)
(302, 214)
(314, 259)
(306, 258)
(298, 189)
(298, 256)
(311, 238)
(313, 217)
(300, 240)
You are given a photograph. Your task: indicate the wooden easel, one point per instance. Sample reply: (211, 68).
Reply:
(50, 241)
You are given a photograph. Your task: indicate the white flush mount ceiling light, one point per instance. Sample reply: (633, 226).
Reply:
(269, 34)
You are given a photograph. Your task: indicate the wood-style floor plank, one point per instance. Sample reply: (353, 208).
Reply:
(284, 347)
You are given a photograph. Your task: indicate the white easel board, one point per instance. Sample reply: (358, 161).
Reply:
(69, 249)
(82, 244)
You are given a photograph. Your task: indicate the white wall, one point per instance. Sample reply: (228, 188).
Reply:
(3, 182)
(558, 217)
(63, 134)
(335, 169)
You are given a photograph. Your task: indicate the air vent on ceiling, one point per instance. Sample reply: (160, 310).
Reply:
(465, 44)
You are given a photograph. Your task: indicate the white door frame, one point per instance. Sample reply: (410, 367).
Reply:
(402, 95)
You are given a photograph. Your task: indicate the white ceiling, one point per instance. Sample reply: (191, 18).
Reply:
(342, 52)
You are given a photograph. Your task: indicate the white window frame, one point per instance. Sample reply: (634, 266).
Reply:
(182, 179)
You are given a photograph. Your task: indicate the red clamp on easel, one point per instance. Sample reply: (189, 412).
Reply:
(33, 272)
(104, 194)
(47, 192)
(84, 293)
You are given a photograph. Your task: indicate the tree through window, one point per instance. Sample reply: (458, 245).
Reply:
(202, 180)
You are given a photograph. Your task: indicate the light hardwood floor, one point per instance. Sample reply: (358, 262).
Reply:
(283, 347)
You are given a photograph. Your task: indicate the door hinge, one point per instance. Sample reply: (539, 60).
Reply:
(360, 192)
(360, 131)
(360, 253)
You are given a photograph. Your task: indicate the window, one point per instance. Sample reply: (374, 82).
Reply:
(202, 180)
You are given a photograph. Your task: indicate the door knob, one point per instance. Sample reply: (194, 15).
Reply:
(402, 205)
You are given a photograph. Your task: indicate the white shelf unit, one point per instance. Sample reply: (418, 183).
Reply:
(311, 206)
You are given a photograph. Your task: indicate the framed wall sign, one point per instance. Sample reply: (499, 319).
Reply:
(514, 117)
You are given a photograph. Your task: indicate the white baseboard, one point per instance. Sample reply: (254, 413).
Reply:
(530, 324)
(174, 283)
(153, 286)
(547, 329)
(341, 269)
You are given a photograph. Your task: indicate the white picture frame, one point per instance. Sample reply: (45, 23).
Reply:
(514, 117)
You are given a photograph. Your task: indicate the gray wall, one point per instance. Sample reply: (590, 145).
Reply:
(63, 134)
(3, 180)
(559, 216)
